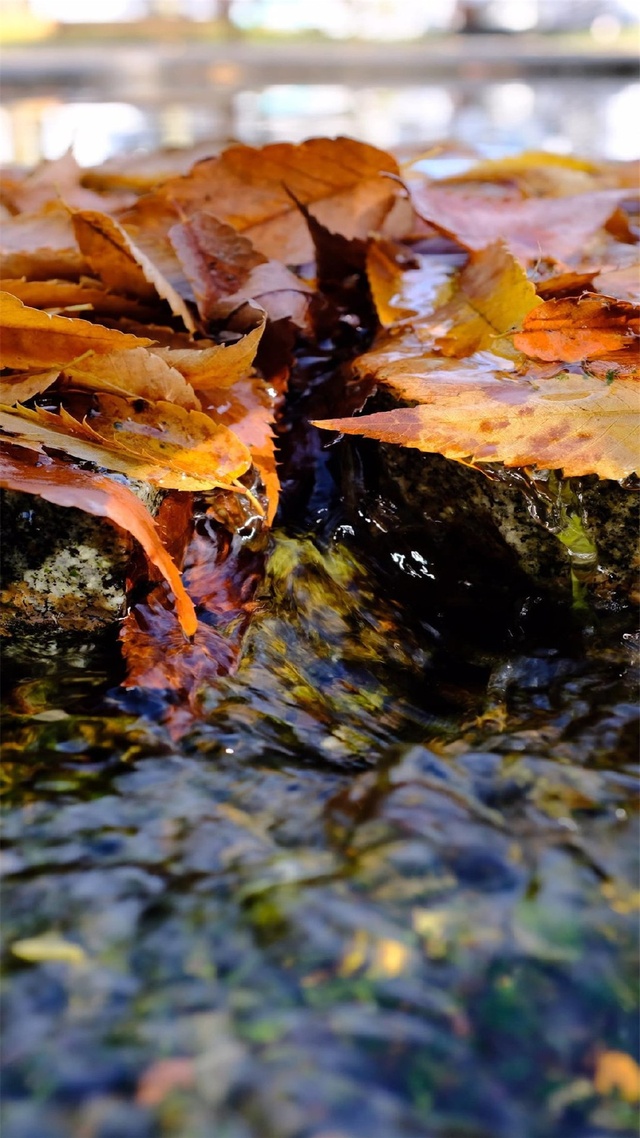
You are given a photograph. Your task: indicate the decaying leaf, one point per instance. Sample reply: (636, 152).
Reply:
(65, 485)
(574, 422)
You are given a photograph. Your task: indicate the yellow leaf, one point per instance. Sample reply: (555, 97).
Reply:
(492, 298)
(31, 338)
(162, 443)
(390, 958)
(575, 422)
(214, 368)
(48, 947)
(617, 1072)
(138, 372)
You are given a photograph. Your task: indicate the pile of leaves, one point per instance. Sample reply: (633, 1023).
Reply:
(151, 310)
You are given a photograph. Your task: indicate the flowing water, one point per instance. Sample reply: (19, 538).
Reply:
(384, 886)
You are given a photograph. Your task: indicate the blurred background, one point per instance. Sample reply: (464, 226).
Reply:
(496, 75)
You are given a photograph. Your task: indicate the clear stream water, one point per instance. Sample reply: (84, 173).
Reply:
(347, 903)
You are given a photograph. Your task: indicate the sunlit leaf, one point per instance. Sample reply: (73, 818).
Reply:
(247, 188)
(137, 372)
(578, 328)
(21, 386)
(49, 947)
(31, 338)
(160, 443)
(574, 422)
(209, 369)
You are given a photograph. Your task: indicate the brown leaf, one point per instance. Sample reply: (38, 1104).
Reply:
(142, 170)
(622, 282)
(247, 189)
(61, 294)
(31, 338)
(117, 261)
(60, 179)
(41, 246)
(138, 372)
(532, 228)
(64, 485)
(577, 329)
(574, 422)
(216, 260)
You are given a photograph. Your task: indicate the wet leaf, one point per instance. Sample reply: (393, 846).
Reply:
(574, 422)
(64, 485)
(578, 328)
(31, 338)
(160, 443)
(492, 297)
(617, 1072)
(405, 285)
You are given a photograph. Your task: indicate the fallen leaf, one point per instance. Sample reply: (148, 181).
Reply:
(248, 189)
(60, 178)
(64, 485)
(210, 369)
(160, 443)
(617, 1072)
(141, 170)
(216, 260)
(21, 386)
(574, 422)
(532, 228)
(31, 338)
(117, 261)
(621, 282)
(492, 298)
(41, 246)
(578, 328)
(137, 372)
(47, 947)
(61, 294)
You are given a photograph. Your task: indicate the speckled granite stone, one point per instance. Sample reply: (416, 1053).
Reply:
(62, 570)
